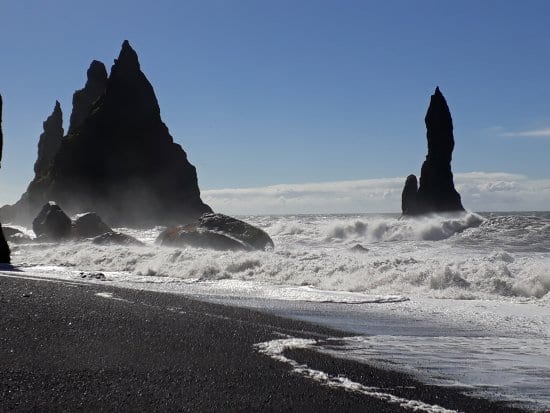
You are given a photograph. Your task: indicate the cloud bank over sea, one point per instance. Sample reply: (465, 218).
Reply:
(481, 191)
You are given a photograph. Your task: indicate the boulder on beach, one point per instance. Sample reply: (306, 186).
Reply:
(116, 238)
(15, 236)
(217, 231)
(436, 192)
(89, 225)
(118, 158)
(52, 223)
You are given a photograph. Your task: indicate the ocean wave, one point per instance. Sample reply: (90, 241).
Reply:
(402, 258)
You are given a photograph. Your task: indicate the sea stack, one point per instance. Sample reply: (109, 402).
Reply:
(84, 98)
(118, 159)
(436, 192)
(4, 247)
(49, 141)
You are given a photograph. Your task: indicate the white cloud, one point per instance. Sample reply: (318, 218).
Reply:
(481, 191)
(533, 133)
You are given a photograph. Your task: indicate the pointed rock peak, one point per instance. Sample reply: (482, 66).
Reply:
(438, 111)
(96, 72)
(57, 107)
(128, 58)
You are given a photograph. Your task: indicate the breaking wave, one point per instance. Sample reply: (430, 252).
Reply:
(463, 256)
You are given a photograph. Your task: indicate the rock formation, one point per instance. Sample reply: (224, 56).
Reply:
(89, 225)
(24, 210)
(4, 247)
(84, 99)
(116, 238)
(436, 192)
(219, 232)
(120, 161)
(49, 142)
(15, 236)
(52, 224)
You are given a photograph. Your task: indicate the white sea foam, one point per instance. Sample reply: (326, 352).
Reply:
(276, 348)
(315, 251)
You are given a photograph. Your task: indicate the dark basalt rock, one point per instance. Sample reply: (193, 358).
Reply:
(408, 197)
(359, 248)
(4, 247)
(217, 231)
(49, 141)
(436, 193)
(120, 161)
(52, 223)
(248, 234)
(48, 146)
(89, 225)
(116, 238)
(84, 99)
(16, 236)
(192, 235)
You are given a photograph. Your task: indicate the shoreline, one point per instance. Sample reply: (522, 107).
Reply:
(70, 345)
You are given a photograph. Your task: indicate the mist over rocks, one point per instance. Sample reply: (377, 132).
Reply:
(120, 160)
(31, 202)
(84, 98)
(436, 192)
(4, 247)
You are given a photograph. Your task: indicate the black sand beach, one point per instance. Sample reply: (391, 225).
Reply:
(65, 348)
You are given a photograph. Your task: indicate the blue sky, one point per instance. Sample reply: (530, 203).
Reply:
(261, 93)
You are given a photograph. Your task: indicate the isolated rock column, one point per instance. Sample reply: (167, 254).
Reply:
(436, 192)
(4, 247)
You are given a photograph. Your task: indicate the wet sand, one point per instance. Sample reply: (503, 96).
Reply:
(80, 346)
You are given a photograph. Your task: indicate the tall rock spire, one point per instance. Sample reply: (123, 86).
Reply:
(120, 160)
(49, 141)
(4, 247)
(436, 192)
(83, 99)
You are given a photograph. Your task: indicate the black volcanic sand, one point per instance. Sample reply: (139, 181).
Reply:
(62, 347)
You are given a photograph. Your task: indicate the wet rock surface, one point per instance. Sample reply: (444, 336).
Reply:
(217, 231)
(116, 238)
(52, 223)
(16, 236)
(89, 225)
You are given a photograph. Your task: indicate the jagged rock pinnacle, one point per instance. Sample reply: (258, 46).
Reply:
(50, 141)
(84, 99)
(436, 192)
(127, 59)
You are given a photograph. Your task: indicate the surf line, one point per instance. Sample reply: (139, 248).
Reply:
(276, 348)
(24, 276)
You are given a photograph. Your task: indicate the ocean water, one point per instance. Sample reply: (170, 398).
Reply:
(459, 300)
